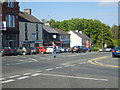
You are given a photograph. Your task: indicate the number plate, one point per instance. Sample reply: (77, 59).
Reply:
(117, 51)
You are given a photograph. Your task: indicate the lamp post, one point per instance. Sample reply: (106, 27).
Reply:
(102, 38)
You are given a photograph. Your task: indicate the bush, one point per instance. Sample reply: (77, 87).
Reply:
(95, 49)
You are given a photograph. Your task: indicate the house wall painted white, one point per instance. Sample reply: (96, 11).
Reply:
(75, 39)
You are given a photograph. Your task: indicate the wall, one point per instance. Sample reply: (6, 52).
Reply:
(74, 39)
(31, 28)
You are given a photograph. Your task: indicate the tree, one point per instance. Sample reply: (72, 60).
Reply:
(94, 29)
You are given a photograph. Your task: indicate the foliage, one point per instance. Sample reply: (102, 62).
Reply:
(96, 30)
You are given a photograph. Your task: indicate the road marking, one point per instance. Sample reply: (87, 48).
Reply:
(37, 74)
(94, 61)
(74, 77)
(33, 59)
(27, 74)
(21, 60)
(38, 71)
(20, 78)
(2, 79)
(11, 80)
(49, 69)
(58, 67)
(14, 76)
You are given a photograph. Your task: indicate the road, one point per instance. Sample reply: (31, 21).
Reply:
(67, 70)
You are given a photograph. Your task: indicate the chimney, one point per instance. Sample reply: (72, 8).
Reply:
(28, 11)
(47, 24)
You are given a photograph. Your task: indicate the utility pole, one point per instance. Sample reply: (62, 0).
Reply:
(102, 38)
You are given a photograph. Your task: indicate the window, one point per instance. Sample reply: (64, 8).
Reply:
(10, 20)
(34, 35)
(10, 3)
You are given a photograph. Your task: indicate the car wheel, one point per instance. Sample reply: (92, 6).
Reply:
(113, 56)
(24, 53)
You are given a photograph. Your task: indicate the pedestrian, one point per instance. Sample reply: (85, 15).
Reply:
(54, 50)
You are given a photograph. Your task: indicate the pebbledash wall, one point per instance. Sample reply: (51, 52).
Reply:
(30, 34)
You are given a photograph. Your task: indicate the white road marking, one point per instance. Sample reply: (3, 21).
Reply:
(74, 77)
(11, 80)
(58, 67)
(49, 69)
(2, 79)
(14, 76)
(33, 59)
(27, 74)
(21, 60)
(29, 61)
(38, 71)
(37, 74)
(24, 77)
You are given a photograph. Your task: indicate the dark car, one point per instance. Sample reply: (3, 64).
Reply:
(116, 51)
(78, 49)
(24, 50)
(13, 51)
(34, 50)
(6, 51)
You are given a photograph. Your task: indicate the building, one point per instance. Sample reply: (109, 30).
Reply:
(30, 29)
(78, 38)
(64, 38)
(9, 23)
(50, 35)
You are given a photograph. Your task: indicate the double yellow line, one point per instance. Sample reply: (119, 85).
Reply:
(94, 61)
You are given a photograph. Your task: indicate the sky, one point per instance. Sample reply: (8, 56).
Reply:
(106, 12)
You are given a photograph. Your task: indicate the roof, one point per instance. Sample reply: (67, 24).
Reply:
(61, 31)
(24, 17)
(82, 35)
(49, 29)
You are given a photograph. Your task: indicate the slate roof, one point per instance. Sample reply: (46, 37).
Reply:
(61, 31)
(49, 29)
(24, 17)
(82, 35)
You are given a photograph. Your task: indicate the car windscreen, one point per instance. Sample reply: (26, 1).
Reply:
(117, 48)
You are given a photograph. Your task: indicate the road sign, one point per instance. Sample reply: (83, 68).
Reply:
(3, 25)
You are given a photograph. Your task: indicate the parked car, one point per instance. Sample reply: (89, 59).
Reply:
(101, 50)
(116, 51)
(49, 49)
(42, 49)
(108, 49)
(6, 51)
(34, 50)
(78, 49)
(13, 51)
(105, 50)
(24, 50)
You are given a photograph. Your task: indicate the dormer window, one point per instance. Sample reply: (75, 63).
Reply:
(10, 4)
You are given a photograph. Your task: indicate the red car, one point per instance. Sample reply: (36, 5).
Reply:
(42, 49)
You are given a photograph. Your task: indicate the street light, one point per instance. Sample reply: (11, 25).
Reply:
(102, 38)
